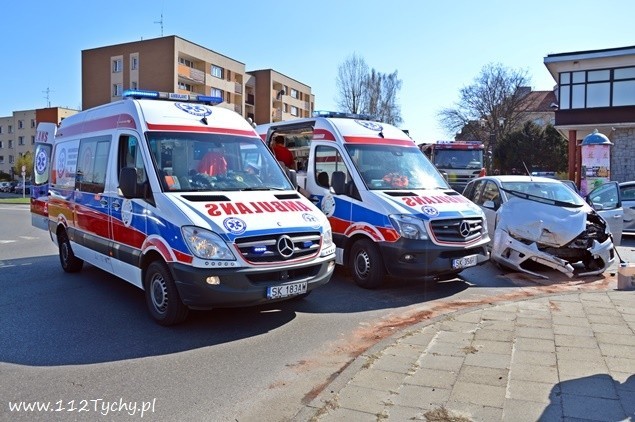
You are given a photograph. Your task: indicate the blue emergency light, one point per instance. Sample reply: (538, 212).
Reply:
(173, 96)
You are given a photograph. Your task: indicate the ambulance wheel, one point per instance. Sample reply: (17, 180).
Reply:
(70, 263)
(366, 265)
(162, 296)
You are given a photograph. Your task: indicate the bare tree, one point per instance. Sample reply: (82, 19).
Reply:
(368, 92)
(491, 107)
(351, 78)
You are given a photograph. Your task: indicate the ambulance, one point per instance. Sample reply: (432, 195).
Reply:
(390, 209)
(180, 198)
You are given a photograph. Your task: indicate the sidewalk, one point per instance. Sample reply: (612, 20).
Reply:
(562, 356)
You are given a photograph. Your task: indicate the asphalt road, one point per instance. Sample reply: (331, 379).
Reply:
(84, 341)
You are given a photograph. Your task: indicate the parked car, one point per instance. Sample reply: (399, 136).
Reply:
(20, 188)
(627, 193)
(538, 222)
(5, 186)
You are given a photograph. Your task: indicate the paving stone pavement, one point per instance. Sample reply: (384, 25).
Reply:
(564, 356)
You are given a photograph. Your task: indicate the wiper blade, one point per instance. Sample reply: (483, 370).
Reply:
(264, 188)
(542, 199)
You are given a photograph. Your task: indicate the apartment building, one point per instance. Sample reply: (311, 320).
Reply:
(279, 97)
(17, 134)
(173, 64)
(596, 90)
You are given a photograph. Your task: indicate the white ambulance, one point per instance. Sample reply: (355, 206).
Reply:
(181, 199)
(390, 209)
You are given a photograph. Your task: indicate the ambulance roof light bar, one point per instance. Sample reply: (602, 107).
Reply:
(341, 114)
(171, 96)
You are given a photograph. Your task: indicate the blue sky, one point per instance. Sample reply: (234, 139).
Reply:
(436, 47)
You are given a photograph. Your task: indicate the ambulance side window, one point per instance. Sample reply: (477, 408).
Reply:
(130, 156)
(327, 162)
(92, 162)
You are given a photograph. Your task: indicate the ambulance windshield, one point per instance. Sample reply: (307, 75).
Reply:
(385, 167)
(213, 162)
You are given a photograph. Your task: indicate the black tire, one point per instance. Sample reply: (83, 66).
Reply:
(162, 297)
(70, 263)
(366, 264)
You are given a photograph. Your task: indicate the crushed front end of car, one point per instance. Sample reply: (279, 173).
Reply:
(573, 240)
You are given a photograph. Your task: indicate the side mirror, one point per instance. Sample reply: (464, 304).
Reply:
(293, 177)
(489, 204)
(128, 182)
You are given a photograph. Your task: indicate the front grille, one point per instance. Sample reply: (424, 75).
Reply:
(264, 249)
(450, 230)
(296, 274)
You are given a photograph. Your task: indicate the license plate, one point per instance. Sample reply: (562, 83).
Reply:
(466, 261)
(285, 290)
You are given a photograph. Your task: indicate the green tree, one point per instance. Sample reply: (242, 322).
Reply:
(533, 147)
(25, 160)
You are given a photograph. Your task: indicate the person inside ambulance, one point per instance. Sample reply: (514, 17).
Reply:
(282, 153)
(213, 163)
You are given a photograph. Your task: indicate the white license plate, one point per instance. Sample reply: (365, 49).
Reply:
(285, 290)
(466, 261)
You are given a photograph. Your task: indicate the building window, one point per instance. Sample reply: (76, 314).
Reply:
(597, 88)
(10, 143)
(184, 86)
(32, 123)
(116, 66)
(10, 129)
(294, 93)
(134, 63)
(134, 85)
(32, 139)
(1, 159)
(20, 140)
(10, 159)
(20, 124)
(116, 90)
(20, 155)
(186, 62)
(0, 129)
(1, 144)
(215, 92)
(217, 71)
(294, 111)
(285, 107)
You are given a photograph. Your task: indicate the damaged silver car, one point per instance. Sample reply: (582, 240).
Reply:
(540, 223)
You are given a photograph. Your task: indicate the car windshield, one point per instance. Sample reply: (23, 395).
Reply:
(554, 193)
(390, 167)
(203, 162)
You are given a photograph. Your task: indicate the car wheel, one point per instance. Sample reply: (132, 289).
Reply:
(162, 296)
(366, 264)
(70, 263)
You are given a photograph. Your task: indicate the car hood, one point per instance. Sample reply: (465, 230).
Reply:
(542, 223)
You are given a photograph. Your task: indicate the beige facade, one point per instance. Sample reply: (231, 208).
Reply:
(279, 97)
(17, 134)
(172, 64)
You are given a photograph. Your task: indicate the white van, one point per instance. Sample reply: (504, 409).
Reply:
(181, 199)
(390, 209)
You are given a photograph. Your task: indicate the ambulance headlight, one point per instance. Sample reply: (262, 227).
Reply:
(409, 227)
(205, 244)
(327, 238)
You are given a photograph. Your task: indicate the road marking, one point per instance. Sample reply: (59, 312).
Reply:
(7, 241)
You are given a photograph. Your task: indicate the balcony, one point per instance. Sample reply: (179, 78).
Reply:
(238, 88)
(191, 74)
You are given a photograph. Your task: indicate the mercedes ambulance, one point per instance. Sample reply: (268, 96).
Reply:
(390, 209)
(181, 199)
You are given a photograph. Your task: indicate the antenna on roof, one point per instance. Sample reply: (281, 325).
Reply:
(48, 97)
(160, 22)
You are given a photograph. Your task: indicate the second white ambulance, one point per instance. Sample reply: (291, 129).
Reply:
(181, 199)
(390, 209)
